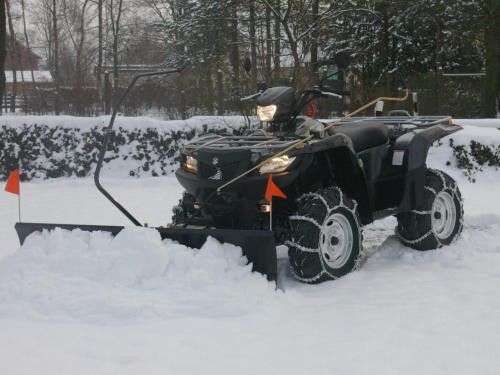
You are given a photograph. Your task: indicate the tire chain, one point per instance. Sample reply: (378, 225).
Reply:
(454, 190)
(324, 271)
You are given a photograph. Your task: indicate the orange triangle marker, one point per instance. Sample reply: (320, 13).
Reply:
(13, 184)
(272, 190)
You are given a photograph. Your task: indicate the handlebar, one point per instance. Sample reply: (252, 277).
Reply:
(249, 97)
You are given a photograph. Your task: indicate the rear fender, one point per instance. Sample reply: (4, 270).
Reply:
(416, 144)
(410, 153)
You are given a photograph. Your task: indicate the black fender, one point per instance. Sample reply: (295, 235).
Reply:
(345, 168)
(410, 152)
(416, 143)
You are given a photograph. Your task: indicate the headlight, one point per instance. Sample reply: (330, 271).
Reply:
(266, 113)
(191, 164)
(276, 165)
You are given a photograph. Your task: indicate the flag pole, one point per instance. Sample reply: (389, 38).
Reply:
(271, 214)
(19, 195)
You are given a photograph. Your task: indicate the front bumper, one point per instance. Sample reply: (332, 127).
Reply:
(250, 188)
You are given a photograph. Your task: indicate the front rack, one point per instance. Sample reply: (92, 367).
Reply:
(218, 142)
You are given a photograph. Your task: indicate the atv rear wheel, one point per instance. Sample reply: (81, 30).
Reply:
(439, 220)
(325, 237)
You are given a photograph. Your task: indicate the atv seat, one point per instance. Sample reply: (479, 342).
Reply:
(364, 136)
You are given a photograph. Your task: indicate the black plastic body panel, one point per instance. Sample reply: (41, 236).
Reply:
(381, 186)
(252, 187)
(416, 143)
(281, 96)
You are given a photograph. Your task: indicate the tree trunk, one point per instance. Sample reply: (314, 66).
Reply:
(3, 51)
(220, 93)
(253, 44)
(116, 33)
(56, 56)
(492, 46)
(27, 43)
(295, 54)
(314, 37)
(386, 47)
(99, 71)
(235, 53)
(78, 58)
(13, 57)
(269, 45)
(277, 40)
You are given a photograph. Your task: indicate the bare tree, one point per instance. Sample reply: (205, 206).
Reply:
(13, 57)
(115, 14)
(77, 22)
(3, 50)
(100, 42)
(55, 36)
(491, 10)
(253, 43)
(27, 41)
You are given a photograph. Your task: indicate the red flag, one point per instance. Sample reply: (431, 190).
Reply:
(312, 110)
(272, 190)
(12, 185)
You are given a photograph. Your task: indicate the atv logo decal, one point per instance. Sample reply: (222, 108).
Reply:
(218, 173)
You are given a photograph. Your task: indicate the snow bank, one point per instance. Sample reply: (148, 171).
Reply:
(64, 146)
(482, 122)
(472, 154)
(94, 277)
(198, 123)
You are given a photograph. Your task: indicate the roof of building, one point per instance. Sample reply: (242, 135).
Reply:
(40, 76)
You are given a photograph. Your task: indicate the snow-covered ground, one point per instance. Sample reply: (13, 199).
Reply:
(79, 303)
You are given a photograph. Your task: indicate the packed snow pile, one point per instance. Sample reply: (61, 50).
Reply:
(136, 275)
(473, 152)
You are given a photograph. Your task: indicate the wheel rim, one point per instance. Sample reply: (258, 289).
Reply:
(336, 240)
(444, 215)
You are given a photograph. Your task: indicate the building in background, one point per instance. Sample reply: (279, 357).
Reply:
(26, 85)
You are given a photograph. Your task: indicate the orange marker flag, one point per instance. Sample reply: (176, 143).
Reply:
(13, 185)
(272, 190)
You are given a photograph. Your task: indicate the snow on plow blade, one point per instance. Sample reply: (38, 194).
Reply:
(257, 245)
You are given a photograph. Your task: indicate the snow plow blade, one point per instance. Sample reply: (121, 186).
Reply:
(257, 245)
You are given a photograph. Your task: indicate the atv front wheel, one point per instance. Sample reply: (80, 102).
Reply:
(439, 220)
(325, 237)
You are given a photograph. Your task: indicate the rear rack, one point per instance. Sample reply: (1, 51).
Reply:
(419, 121)
(217, 142)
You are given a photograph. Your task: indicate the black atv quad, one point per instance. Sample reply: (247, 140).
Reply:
(337, 178)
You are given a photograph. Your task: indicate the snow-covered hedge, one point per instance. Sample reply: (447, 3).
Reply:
(60, 146)
(51, 147)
